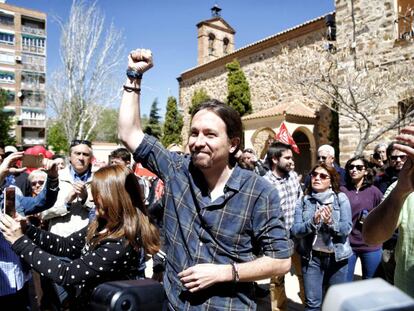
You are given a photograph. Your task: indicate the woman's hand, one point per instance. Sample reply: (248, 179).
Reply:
(12, 229)
(326, 214)
(317, 217)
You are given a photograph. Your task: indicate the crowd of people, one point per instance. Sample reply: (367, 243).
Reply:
(214, 219)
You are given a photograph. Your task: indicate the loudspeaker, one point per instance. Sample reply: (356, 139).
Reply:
(372, 295)
(130, 295)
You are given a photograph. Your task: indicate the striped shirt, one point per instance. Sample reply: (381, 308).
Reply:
(290, 192)
(236, 227)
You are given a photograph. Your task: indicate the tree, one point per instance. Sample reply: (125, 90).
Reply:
(154, 127)
(107, 128)
(199, 96)
(84, 84)
(358, 89)
(173, 123)
(238, 95)
(5, 121)
(56, 138)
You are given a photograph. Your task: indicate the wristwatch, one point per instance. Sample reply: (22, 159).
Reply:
(133, 74)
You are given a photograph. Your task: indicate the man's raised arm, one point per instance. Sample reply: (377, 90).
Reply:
(382, 221)
(129, 121)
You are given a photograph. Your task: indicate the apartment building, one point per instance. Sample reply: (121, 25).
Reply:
(23, 71)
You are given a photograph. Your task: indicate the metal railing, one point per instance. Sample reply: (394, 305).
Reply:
(34, 49)
(33, 141)
(33, 123)
(33, 103)
(34, 67)
(34, 31)
(33, 86)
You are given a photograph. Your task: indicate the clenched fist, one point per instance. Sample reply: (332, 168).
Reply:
(140, 60)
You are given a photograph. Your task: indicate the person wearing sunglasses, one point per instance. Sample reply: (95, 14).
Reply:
(71, 210)
(396, 160)
(322, 224)
(37, 179)
(14, 285)
(105, 250)
(364, 197)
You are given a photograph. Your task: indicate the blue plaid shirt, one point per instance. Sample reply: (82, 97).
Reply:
(243, 223)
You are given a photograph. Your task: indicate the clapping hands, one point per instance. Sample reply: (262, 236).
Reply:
(323, 214)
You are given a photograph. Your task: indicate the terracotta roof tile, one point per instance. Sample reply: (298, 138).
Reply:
(291, 107)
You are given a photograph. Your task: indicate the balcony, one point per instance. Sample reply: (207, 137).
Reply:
(34, 31)
(33, 49)
(34, 67)
(33, 141)
(33, 103)
(33, 99)
(33, 86)
(33, 123)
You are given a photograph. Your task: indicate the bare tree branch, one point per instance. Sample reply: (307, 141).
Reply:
(359, 87)
(84, 83)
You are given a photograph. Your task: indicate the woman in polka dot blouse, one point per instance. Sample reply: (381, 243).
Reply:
(106, 250)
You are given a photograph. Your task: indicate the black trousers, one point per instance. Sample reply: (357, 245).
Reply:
(19, 301)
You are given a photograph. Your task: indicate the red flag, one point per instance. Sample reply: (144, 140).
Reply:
(284, 137)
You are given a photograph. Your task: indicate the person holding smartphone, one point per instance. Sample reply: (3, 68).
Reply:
(14, 275)
(321, 226)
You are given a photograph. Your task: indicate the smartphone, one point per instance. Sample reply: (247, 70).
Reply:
(9, 201)
(32, 161)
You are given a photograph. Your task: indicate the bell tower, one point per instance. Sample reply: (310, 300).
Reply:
(215, 37)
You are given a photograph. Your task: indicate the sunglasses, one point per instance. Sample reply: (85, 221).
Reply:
(323, 158)
(36, 182)
(322, 176)
(402, 157)
(76, 142)
(248, 150)
(358, 167)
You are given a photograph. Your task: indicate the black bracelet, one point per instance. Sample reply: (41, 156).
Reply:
(130, 89)
(235, 272)
(133, 74)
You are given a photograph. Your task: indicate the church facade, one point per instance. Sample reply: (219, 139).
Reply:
(376, 25)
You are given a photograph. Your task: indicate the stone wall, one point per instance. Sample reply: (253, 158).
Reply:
(257, 67)
(376, 39)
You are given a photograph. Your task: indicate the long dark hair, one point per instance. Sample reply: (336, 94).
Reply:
(117, 194)
(333, 175)
(368, 179)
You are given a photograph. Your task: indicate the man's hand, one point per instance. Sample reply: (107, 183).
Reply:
(407, 172)
(51, 168)
(78, 191)
(204, 275)
(7, 166)
(140, 60)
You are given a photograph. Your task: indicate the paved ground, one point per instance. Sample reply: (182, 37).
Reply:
(292, 290)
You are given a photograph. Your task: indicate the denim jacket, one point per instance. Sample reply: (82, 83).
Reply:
(304, 229)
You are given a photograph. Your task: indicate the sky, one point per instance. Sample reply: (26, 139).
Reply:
(168, 28)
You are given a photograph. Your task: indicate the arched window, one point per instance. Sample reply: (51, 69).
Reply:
(226, 42)
(211, 38)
